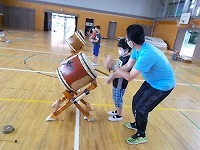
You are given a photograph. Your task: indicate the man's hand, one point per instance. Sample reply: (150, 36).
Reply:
(112, 77)
(109, 63)
(109, 79)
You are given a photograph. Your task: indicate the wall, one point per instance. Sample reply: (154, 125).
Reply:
(173, 34)
(99, 18)
(167, 30)
(142, 8)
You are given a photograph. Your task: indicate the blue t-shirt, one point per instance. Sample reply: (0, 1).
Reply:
(154, 67)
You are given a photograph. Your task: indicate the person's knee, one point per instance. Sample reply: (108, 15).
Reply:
(141, 112)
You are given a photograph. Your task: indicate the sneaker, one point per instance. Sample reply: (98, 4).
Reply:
(7, 41)
(114, 118)
(94, 64)
(112, 113)
(131, 125)
(136, 139)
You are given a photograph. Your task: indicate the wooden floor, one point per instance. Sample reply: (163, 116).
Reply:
(29, 85)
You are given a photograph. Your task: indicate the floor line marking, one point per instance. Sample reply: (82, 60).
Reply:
(22, 70)
(24, 50)
(26, 100)
(35, 51)
(101, 105)
(190, 120)
(103, 77)
(76, 132)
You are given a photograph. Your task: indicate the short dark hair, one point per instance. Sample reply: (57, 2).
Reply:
(90, 31)
(135, 33)
(122, 43)
(98, 27)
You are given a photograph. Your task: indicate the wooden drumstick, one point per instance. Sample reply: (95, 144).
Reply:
(102, 72)
(8, 140)
(87, 35)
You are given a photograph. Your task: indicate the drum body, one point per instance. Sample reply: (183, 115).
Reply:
(76, 72)
(77, 41)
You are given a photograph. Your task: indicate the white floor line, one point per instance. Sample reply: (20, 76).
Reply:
(189, 67)
(76, 133)
(35, 51)
(185, 84)
(102, 77)
(136, 80)
(21, 70)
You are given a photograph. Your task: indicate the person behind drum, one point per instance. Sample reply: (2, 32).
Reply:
(96, 45)
(92, 35)
(3, 37)
(119, 84)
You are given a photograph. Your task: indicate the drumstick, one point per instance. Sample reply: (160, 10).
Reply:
(102, 72)
(8, 140)
(87, 35)
(105, 58)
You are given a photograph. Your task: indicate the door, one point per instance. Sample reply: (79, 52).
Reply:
(197, 49)
(13, 17)
(189, 43)
(112, 30)
(22, 19)
(19, 18)
(47, 21)
(5, 16)
(31, 20)
(89, 23)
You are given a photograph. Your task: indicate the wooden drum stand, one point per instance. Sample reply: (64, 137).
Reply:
(73, 98)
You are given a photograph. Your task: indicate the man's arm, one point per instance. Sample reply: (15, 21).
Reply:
(128, 66)
(123, 72)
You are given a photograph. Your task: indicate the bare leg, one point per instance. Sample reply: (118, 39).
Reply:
(95, 59)
(119, 111)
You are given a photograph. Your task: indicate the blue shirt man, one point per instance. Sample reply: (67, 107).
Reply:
(157, 73)
(154, 67)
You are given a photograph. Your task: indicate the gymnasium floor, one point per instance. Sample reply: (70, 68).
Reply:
(29, 85)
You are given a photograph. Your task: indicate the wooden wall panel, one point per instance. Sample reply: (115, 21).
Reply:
(167, 30)
(99, 18)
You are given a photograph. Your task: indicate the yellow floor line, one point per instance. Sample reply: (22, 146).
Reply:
(101, 105)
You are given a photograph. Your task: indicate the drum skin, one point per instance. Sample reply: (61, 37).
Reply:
(76, 72)
(77, 41)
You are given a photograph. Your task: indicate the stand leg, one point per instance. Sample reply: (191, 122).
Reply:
(74, 97)
(53, 115)
(87, 116)
(58, 102)
(88, 106)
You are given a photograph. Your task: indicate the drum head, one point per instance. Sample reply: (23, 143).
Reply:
(86, 63)
(80, 36)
